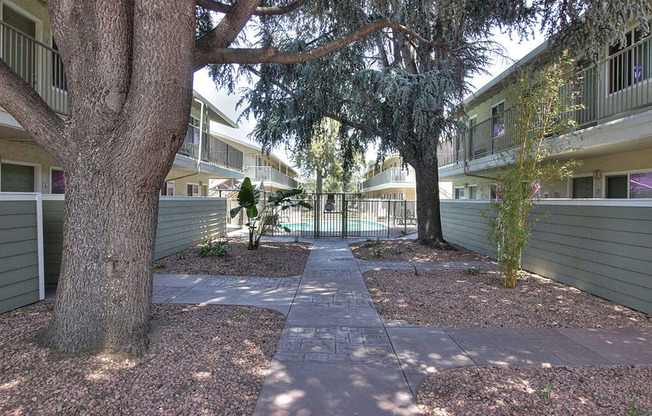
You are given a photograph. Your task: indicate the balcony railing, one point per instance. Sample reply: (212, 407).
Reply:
(390, 176)
(222, 154)
(190, 146)
(37, 63)
(268, 173)
(608, 89)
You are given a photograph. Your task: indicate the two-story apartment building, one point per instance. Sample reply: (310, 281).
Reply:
(613, 141)
(268, 169)
(393, 179)
(27, 46)
(390, 179)
(204, 159)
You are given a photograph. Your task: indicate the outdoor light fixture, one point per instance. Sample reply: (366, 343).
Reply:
(597, 174)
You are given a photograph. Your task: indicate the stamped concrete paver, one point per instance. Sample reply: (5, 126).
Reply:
(265, 292)
(334, 356)
(337, 356)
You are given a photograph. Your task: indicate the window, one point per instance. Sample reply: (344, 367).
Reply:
(473, 192)
(617, 186)
(631, 66)
(192, 189)
(167, 189)
(17, 178)
(459, 193)
(640, 185)
(493, 192)
(498, 119)
(583, 187)
(57, 181)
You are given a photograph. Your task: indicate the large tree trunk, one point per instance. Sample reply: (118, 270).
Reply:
(428, 210)
(105, 289)
(319, 182)
(130, 93)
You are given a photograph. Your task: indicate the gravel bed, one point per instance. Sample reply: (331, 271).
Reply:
(201, 360)
(272, 259)
(407, 250)
(453, 298)
(573, 391)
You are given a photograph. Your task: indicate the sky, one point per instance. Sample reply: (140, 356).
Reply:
(514, 50)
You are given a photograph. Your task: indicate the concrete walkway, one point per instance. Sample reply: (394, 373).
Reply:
(337, 356)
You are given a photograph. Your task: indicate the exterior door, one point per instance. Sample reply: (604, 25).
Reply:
(16, 178)
(18, 51)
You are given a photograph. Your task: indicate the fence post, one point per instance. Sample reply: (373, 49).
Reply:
(344, 216)
(405, 216)
(389, 212)
(316, 216)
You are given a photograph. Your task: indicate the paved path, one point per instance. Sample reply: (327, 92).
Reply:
(336, 356)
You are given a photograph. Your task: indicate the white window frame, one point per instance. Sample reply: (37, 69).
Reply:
(569, 183)
(468, 192)
(463, 190)
(52, 169)
(37, 171)
(174, 189)
(620, 173)
(194, 184)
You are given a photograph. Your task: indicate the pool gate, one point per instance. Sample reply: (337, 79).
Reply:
(347, 215)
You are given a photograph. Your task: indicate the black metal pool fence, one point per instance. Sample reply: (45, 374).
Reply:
(346, 215)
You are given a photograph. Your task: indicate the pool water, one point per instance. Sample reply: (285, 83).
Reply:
(331, 225)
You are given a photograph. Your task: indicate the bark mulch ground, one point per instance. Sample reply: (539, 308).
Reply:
(454, 298)
(573, 391)
(272, 259)
(408, 250)
(201, 360)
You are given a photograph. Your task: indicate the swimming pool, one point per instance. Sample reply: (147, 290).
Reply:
(330, 225)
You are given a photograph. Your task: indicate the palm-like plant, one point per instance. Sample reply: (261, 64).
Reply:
(258, 222)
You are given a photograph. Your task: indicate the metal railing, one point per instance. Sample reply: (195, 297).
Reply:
(38, 64)
(190, 145)
(612, 87)
(397, 176)
(219, 153)
(268, 173)
(347, 215)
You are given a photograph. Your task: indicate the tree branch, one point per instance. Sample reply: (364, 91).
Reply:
(219, 7)
(272, 55)
(29, 109)
(337, 117)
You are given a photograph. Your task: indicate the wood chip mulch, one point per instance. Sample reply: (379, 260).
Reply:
(573, 391)
(201, 360)
(456, 299)
(408, 250)
(272, 259)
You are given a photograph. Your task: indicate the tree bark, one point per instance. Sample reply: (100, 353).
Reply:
(319, 181)
(105, 290)
(428, 207)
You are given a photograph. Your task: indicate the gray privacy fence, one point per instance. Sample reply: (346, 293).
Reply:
(601, 246)
(182, 222)
(21, 250)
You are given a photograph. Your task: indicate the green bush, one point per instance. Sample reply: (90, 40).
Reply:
(213, 248)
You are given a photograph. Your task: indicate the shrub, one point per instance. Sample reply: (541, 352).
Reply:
(213, 248)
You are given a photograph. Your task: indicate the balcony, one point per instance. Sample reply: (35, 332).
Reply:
(269, 174)
(612, 88)
(38, 64)
(213, 150)
(392, 176)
